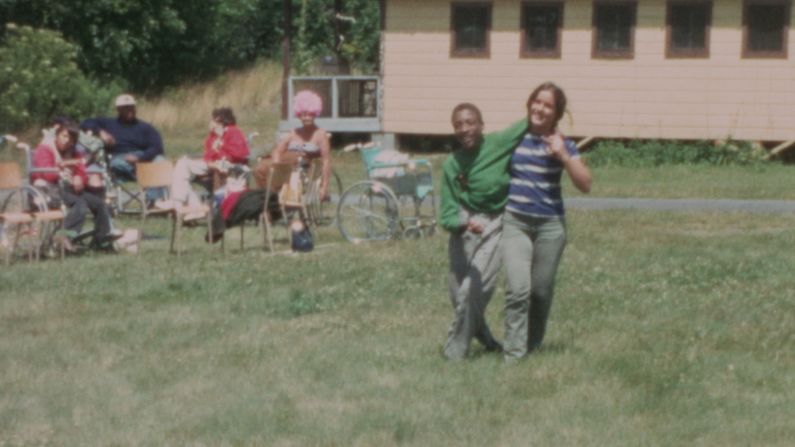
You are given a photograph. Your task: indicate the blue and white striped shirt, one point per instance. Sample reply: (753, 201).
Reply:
(535, 179)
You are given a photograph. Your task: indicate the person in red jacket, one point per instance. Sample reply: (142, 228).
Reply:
(224, 146)
(60, 171)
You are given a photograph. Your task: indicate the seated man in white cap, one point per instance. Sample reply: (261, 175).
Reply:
(128, 140)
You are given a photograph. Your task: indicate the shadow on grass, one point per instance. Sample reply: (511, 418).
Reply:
(555, 347)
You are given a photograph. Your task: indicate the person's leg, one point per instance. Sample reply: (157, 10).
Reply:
(122, 169)
(474, 263)
(484, 267)
(457, 344)
(101, 214)
(76, 214)
(184, 171)
(517, 252)
(550, 239)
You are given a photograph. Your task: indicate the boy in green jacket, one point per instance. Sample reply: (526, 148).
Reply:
(474, 192)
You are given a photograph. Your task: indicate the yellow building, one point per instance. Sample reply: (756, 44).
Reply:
(682, 69)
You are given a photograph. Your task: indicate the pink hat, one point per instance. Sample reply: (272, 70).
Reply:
(307, 101)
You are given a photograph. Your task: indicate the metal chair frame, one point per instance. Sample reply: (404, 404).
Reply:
(412, 181)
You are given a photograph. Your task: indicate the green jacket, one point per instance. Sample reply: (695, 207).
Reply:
(478, 180)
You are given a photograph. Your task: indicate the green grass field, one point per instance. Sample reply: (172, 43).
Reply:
(668, 329)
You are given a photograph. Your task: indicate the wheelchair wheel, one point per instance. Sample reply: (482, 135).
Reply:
(321, 213)
(368, 211)
(413, 233)
(22, 238)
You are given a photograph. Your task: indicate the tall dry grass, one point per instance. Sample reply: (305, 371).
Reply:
(253, 93)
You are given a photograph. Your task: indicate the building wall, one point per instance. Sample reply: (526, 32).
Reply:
(648, 96)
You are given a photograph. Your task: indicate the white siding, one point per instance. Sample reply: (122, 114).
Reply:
(648, 96)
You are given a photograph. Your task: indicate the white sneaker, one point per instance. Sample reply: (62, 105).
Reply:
(129, 241)
(191, 217)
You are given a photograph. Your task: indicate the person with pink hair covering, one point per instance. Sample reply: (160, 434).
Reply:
(308, 142)
(307, 101)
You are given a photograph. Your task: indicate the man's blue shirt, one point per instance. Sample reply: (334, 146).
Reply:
(138, 137)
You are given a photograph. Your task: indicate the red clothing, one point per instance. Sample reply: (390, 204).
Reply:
(228, 205)
(233, 147)
(44, 157)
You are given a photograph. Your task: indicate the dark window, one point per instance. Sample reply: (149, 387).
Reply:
(765, 28)
(614, 29)
(688, 25)
(322, 87)
(541, 26)
(358, 98)
(470, 23)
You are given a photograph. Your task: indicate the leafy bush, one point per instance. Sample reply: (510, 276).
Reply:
(154, 44)
(647, 153)
(39, 78)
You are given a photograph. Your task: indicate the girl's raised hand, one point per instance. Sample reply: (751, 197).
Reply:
(556, 146)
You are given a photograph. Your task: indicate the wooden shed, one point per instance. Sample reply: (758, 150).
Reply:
(673, 69)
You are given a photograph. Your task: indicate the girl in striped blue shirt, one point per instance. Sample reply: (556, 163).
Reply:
(534, 229)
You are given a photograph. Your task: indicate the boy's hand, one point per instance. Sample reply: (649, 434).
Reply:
(474, 227)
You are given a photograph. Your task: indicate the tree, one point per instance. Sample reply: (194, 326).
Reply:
(151, 44)
(39, 78)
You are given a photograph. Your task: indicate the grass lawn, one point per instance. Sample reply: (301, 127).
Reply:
(765, 181)
(668, 329)
(768, 181)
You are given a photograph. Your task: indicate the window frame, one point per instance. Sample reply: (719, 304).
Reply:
(679, 53)
(747, 53)
(596, 53)
(484, 53)
(527, 53)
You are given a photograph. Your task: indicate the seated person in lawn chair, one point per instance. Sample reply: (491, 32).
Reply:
(60, 172)
(128, 141)
(225, 150)
(306, 143)
(91, 149)
(247, 205)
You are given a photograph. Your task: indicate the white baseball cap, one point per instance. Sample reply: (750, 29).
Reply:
(125, 100)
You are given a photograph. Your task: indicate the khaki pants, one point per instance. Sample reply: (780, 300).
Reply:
(474, 263)
(531, 251)
(186, 170)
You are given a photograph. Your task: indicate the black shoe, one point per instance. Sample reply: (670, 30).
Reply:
(493, 346)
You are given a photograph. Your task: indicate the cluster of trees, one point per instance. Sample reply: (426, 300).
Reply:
(147, 45)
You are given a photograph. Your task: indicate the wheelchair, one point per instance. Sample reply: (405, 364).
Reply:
(395, 201)
(20, 231)
(319, 212)
(51, 212)
(117, 195)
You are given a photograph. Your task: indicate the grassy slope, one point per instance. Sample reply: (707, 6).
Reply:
(182, 114)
